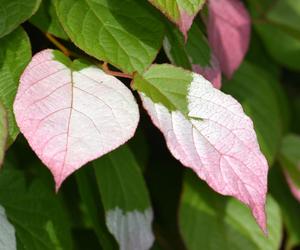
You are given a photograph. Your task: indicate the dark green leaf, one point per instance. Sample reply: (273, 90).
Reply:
(35, 212)
(215, 222)
(15, 12)
(277, 21)
(15, 54)
(47, 21)
(91, 200)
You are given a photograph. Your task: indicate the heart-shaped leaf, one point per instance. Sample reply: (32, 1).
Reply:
(72, 113)
(181, 12)
(229, 28)
(207, 131)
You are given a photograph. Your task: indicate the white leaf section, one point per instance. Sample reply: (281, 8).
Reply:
(7, 232)
(131, 229)
(218, 142)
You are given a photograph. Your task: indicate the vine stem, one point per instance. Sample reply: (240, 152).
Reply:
(114, 73)
(60, 46)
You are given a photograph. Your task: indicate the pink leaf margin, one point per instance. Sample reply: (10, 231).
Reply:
(232, 166)
(47, 98)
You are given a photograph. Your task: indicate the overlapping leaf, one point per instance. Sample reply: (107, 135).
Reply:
(228, 223)
(72, 113)
(195, 54)
(123, 33)
(15, 12)
(36, 214)
(181, 12)
(207, 131)
(228, 33)
(15, 54)
(279, 19)
(126, 202)
(46, 19)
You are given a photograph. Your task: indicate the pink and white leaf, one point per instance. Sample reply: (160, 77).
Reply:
(218, 142)
(229, 27)
(72, 117)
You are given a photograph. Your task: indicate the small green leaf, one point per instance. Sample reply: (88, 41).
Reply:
(15, 12)
(47, 21)
(125, 199)
(165, 84)
(123, 33)
(15, 54)
(35, 212)
(3, 132)
(254, 88)
(7, 232)
(213, 222)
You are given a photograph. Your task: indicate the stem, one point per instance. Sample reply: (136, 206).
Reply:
(114, 73)
(60, 46)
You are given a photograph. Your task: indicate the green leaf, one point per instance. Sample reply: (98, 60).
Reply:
(279, 19)
(7, 232)
(89, 195)
(35, 212)
(15, 12)
(15, 54)
(214, 222)
(3, 132)
(195, 51)
(289, 206)
(165, 84)
(125, 199)
(286, 13)
(254, 89)
(123, 33)
(290, 157)
(47, 21)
